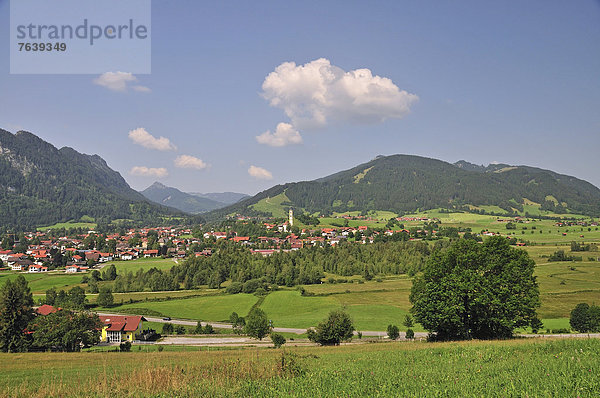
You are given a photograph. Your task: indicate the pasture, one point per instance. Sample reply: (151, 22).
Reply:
(143, 263)
(526, 367)
(40, 282)
(207, 308)
(69, 225)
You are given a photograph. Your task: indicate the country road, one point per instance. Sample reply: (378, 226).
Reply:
(366, 333)
(229, 326)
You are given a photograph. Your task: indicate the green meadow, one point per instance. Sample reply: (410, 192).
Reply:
(69, 225)
(40, 282)
(513, 368)
(143, 263)
(372, 304)
(207, 308)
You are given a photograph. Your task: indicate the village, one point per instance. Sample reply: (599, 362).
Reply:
(44, 252)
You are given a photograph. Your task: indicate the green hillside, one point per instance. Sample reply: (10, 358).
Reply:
(42, 185)
(404, 184)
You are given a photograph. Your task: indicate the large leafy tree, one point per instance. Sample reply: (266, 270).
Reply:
(66, 331)
(16, 311)
(473, 290)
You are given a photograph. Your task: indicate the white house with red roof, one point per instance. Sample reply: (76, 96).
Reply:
(118, 328)
(37, 268)
(5, 254)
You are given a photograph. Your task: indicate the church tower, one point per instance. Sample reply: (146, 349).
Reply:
(291, 217)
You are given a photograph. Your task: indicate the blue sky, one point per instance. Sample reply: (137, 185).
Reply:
(511, 82)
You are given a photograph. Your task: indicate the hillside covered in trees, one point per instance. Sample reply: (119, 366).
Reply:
(405, 183)
(42, 185)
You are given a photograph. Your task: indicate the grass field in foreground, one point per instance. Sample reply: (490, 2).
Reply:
(524, 368)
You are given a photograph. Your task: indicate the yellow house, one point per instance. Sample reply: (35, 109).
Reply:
(120, 328)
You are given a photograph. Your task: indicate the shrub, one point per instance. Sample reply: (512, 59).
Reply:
(277, 339)
(167, 328)
(208, 329)
(536, 325)
(585, 318)
(180, 329)
(410, 334)
(125, 346)
(393, 332)
(336, 328)
(105, 297)
(234, 288)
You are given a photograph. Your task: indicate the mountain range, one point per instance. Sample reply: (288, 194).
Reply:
(406, 183)
(190, 202)
(43, 185)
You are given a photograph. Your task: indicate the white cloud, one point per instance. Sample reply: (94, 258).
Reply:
(190, 162)
(141, 137)
(284, 134)
(260, 173)
(144, 171)
(142, 89)
(316, 93)
(119, 81)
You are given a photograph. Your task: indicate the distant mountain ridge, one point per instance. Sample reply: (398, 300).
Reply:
(407, 183)
(173, 197)
(228, 198)
(43, 185)
(194, 203)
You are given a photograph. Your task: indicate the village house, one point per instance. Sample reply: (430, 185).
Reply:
(150, 253)
(127, 256)
(105, 257)
(72, 268)
(37, 268)
(120, 328)
(4, 254)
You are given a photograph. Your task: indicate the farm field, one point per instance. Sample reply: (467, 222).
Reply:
(373, 304)
(143, 263)
(209, 308)
(68, 225)
(39, 283)
(526, 367)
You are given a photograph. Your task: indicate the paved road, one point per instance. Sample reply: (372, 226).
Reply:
(229, 326)
(418, 335)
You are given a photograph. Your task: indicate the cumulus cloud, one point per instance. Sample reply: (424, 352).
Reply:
(119, 81)
(144, 171)
(141, 137)
(260, 173)
(316, 93)
(284, 134)
(190, 162)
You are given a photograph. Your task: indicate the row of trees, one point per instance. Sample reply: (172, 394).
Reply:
(249, 272)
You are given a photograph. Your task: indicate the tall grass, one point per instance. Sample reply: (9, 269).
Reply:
(523, 368)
